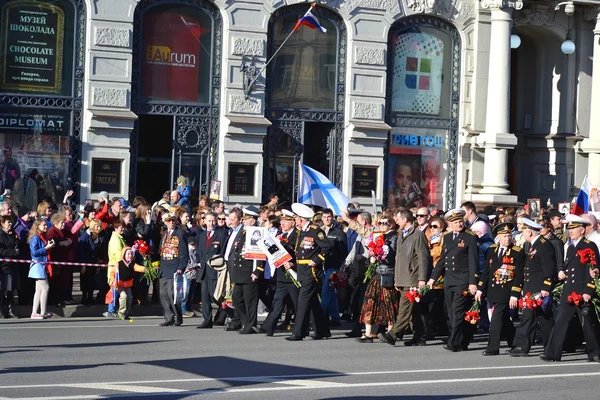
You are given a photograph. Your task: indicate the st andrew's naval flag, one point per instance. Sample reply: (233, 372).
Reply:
(309, 20)
(316, 189)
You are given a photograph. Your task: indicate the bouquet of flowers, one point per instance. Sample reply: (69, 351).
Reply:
(378, 252)
(557, 292)
(588, 257)
(414, 295)
(472, 316)
(335, 281)
(226, 303)
(530, 301)
(575, 298)
(151, 268)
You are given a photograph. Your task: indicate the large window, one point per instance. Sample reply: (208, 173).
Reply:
(304, 72)
(421, 71)
(177, 46)
(36, 46)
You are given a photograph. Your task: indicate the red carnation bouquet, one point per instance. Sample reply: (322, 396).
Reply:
(530, 301)
(151, 268)
(588, 257)
(378, 252)
(414, 295)
(575, 298)
(472, 316)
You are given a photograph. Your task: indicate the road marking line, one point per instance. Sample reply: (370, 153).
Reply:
(307, 376)
(345, 386)
(133, 389)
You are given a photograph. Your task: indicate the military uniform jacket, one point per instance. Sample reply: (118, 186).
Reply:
(241, 269)
(502, 277)
(540, 266)
(289, 242)
(339, 248)
(313, 246)
(459, 258)
(578, 274)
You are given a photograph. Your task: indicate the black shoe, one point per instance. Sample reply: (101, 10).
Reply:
(353, 333)
(232, 328)
(320, 337)
(491, 353)
(178, 323)
(246, 331)
(166, 323)
(518, 352)
(268, 333)
(335, 323)
(543, 357)
(11, 314)
(261, 329)
(204, 325)
(346, 317)
(364, 339)
(453, 349)
(387, 338)
(410, 343)
(293, 338)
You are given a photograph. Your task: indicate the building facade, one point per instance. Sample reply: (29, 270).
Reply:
(419, 101)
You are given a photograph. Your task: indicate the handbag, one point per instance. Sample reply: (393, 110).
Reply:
(386, 275)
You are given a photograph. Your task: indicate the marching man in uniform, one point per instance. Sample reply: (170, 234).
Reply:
(582, 255)
(501, 284)
(311, 252)
(539, 270)
(460, 260)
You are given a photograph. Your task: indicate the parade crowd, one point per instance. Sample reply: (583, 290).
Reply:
(421, 273)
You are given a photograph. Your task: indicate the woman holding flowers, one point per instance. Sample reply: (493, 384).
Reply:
(380, 304)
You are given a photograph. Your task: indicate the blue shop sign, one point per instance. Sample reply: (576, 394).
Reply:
(418, 141)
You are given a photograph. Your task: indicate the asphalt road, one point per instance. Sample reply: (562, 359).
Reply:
(107, 359)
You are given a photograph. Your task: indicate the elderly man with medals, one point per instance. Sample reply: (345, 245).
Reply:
(582, 256)
(501, 284)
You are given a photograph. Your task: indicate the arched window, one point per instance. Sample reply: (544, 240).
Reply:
(177, 45)
(304, 70)
(421, 78)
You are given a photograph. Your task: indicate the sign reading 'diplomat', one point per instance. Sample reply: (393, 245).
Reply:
(32, 47)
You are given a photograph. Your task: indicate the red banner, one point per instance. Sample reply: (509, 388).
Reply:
(171, 59)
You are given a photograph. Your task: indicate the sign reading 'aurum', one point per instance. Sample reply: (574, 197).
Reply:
(32, 47)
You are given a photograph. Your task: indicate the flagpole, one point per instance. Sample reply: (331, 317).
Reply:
(267, 63)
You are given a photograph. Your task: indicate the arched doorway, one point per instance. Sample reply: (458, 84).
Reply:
(305, 91)
(41, 97)
(422, 109)
(175, 92)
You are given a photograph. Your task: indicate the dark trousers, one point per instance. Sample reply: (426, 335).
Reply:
(308, 303)
(207, 287)
(530, 318)
(461, 332)
(245, 301)
(101, 284)
(171, 311)
(357, 292)
(266, 293)
(434, 314)
(558, 335)
(500, 327)
(408, 312)
(283, 291)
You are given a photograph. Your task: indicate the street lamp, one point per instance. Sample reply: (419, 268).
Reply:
(515, 41)
(567, 47)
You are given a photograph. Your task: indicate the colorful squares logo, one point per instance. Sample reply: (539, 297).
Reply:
(425, 65)
(411, 81)
(423, 82)
(421, 68)
(412, 64)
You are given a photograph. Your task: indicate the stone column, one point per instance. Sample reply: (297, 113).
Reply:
(497, 138)
(592, 144)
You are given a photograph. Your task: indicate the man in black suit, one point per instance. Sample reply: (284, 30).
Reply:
(286, 290)
(210, 242)
(538, 274)
(460, 260)
(576, 274)
(501, 284)
(174, 258)
(339, 252)
(235, 231)
(245, 275)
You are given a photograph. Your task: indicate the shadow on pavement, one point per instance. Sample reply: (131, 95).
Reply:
(53, 368)
(88, 345)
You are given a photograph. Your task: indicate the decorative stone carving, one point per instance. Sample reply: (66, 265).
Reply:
(363, 110)
(392, 6)
(111, 37)
(106, 97)
(516, 4)
(370, 56)
(592, 14)
(248, 47)
(464, 11)
(243, 105)
(539, 15)
(430, 6)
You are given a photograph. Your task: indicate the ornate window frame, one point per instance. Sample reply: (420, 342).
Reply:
(290, 122)
(398, 119)
(200, 119)
(73, 102)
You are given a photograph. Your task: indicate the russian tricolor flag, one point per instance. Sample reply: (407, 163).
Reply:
(309, 20)
(583, 198)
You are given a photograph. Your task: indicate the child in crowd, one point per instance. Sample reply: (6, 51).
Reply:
(184, 189)
(121, 279)
(190, 273)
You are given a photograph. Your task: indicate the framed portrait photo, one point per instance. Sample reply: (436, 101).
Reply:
(534, 207)
(564, 208)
